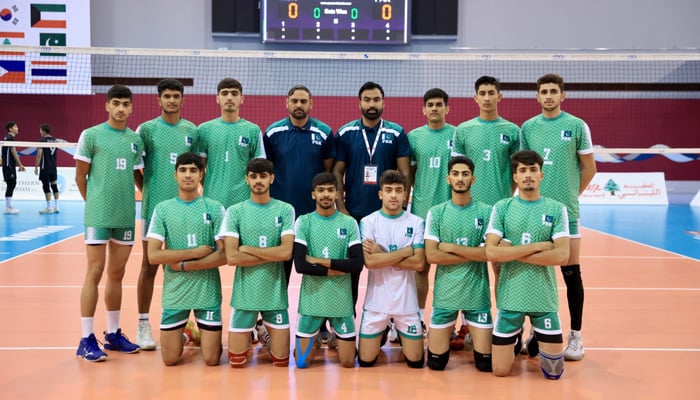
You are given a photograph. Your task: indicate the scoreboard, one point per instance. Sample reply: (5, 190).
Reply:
(310, 21)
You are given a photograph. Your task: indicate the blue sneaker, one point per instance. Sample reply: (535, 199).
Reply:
(90, 350)
(118, 342)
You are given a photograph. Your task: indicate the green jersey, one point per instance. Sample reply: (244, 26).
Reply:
(113, 156)
(430, 152)
(463, 286)
(521, 286)
(559, 141)
(489, 144)
(183, 225)
(326, 237)
(162, 144)
(261, 287)
(228, 146)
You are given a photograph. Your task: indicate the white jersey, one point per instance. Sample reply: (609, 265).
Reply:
(392, 290)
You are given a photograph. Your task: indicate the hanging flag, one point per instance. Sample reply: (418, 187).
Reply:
(48, 15)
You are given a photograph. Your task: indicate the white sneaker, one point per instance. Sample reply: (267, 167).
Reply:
(574, 350)
(11, 210)
(261, 332)
(332, 341)
(393, 334)
(47, 210)
(468, 342)
(56, 210)
(144, 337)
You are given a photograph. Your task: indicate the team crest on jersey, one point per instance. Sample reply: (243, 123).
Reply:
(505, 139)
(478, 223)
(316, 139)
(393, 247)
(450, 144)
(188, 141)
(243, 141)
(547, 220)
(134, 148)
(409, 231)
(566, 135)
(387, 138)
(342, 233)
(207, 218)
(278, 222)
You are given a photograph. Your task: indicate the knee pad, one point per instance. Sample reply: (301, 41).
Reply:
(438, 362)
(552, 365)
(54, 188)
(237, 360)
(571, 273)
(45, 186)
(279, 361)
(367, 363)
(483, 362)
(416, 364)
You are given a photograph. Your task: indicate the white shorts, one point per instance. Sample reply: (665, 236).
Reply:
(374, 324)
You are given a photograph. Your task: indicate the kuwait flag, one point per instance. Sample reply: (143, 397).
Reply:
(12, 71)
(48, 15)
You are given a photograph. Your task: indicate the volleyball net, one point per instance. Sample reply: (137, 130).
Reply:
(641, 107)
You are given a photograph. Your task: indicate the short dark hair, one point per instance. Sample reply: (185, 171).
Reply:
(189, 158)
(119, 92)
(9, 125)
(170, 84)
(45, 128)
(525, 157)
(229, 83)
(461, 160)
(260, 165)
(370, 86)
(551, 78)
(487, 80)
(391, 176)
(435, 93)
(324, 178)
(298, 87)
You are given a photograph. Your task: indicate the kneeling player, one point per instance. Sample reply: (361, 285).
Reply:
(187, 225)
(327, 249)
(454, 233)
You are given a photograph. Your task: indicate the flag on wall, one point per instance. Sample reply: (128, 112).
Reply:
(48, 16)
(12, 71)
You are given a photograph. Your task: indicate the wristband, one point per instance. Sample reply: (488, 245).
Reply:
(182, 266)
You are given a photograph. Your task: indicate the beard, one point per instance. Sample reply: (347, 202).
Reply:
(372, 114)
(460, 191)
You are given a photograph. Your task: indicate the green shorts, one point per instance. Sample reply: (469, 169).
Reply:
(510, 323)
(443, 318)
(95, 235)
(244, 320)
(308, 326)
(209, 318)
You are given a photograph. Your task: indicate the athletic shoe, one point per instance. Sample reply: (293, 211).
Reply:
(325, 335)
(532, 346)
(574, 350)
(262, 333)
(56, 210)
(47, 210)
(117, 341)
(468, 342)
(425, 329)
(332, 341)
(254, 339)
(385, 336)
(518, 346)
(457, 343)
(393, 334)
(316, 341)
(144, 337)
(89, 350)
(192, 335)
(11, 210)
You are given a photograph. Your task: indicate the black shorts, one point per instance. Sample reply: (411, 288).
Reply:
(9, 174)
(48, 176)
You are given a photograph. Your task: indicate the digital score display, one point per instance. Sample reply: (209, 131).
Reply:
(360, 22)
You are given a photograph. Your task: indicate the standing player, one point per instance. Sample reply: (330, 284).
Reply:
(164, 139)
(454, 235)
(183, 237)
(489, 141)
(564, 141)
(45, 167)
(259, 236)
(106, 162)
(528, 234)
(10, 160)
(300, 147)
(327, 249)
(228, 143)
(393, 250)
(365, 148)
(431, 148)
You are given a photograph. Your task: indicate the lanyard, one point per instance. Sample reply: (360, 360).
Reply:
(376, 141)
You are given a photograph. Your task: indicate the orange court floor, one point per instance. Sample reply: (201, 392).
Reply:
(641, 324)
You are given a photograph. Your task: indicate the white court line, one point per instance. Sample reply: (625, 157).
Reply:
(642, 244)
(39, 248)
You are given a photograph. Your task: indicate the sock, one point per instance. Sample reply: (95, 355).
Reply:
(48, 203)
(55, 203)
(87, 324)
(112, 321)
(8, 202)
(574, 294)
(143, 316)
